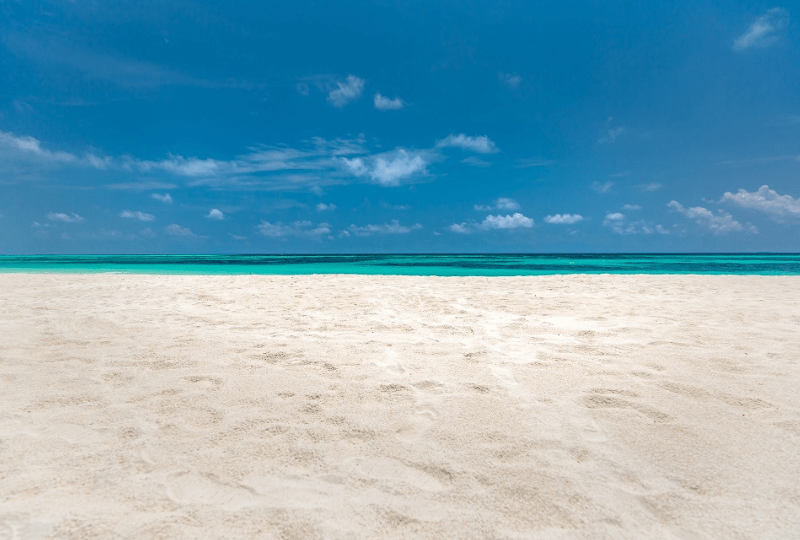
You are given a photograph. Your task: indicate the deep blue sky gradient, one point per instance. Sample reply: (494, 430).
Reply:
(632, 119)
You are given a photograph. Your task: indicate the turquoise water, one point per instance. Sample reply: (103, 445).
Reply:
(416, 265)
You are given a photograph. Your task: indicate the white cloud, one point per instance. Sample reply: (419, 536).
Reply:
(346, 91)
(652, 186)
(527, 163)
(511, 80)
(720, 223)
(141, 216)
(476, 162)
(619, 224)
(66, 218)
(514, 221)
(764, 31)
(322, 207)
(563, 219)
(388, 169)
(765, 200)
(461, 228)
(611, 132)
(33, 148)
(165, 198)
(604, 187)
(216, 214)
(502, 203)
(387, 228)
(177, 230)
(480, 144)
(631, 207)
(298, 228)
(383, 103)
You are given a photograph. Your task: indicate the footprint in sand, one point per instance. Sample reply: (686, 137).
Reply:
(390, 363)
(19, 528)
(190, 488)
(588, 429)
(392, 470)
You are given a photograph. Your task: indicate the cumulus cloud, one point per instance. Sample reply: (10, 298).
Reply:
(620, 224)
(298, 228)
(461, 228)
(164, 198)
(765, 200)
(66, 218)
(322, 207)
(176, 230)
(346, 91)
(480, 144)
(141, 216)
(563, 219)
(216, 214)
(720, 223)
(514, 221)
(387, 169)
(502, 203)
(511, 80)
(383, 103)
(602, 187)
(764, 31)
(387, 228)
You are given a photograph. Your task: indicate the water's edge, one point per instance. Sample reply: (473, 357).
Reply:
(419, 265)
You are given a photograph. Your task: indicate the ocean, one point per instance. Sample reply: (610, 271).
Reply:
(410, 264)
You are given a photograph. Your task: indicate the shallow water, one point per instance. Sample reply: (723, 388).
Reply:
(422, 265)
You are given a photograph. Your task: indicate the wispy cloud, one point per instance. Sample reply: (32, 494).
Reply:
(738, 163)
(387, 228)
(563, 219)
(176, 230)
(764, 31)
(66, 218)
(474, 161)
(60, 55)
(502, 203)
(631, 207)
(162, 197)
(611, 132)
(141, 216)
(298, 228)
(383, 103)
(322, 207)
(720, 223)
(346, 91)
(511, 80)
(480, 144)
(28, 146)
(766, 200)
(528, 163)
(619, 224)
(602, 187)
(215, 214)
(649, 187)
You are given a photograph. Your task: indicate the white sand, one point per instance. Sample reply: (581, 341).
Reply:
(383, 407)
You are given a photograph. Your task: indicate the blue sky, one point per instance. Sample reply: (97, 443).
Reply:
(398, 126)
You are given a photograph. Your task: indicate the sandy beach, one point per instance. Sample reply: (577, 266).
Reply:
(138, 406)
